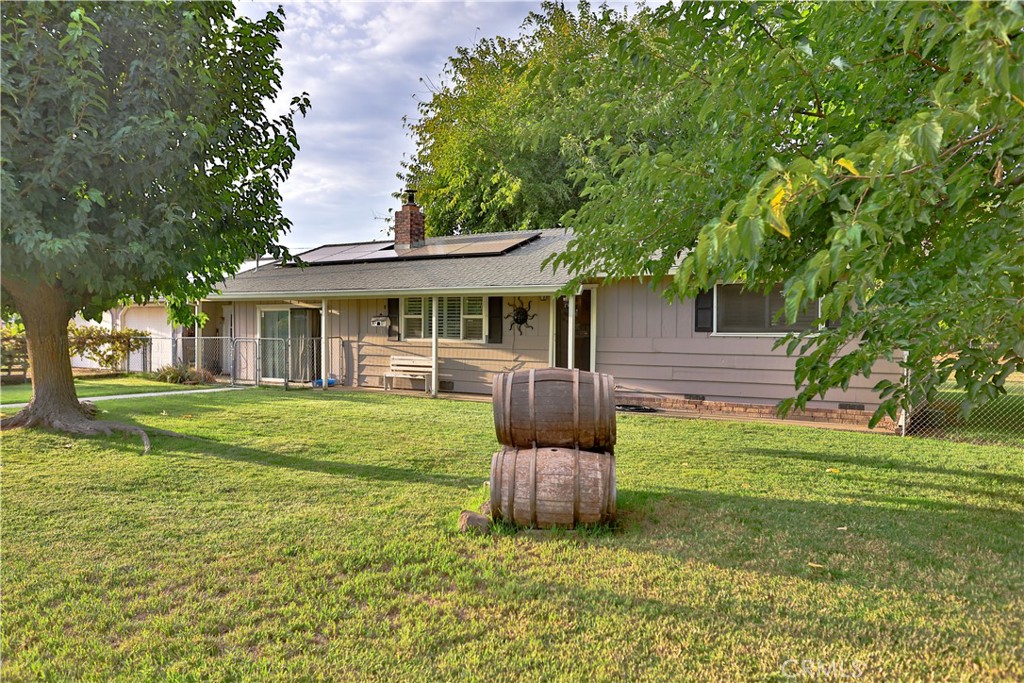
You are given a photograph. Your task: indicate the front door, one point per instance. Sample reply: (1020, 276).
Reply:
(289, 343)
(305, 344)
(274, 344)
(574, 352)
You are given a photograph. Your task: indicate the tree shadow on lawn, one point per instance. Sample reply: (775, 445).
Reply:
(752, 628)
(867, 543)
(200, 447)
(856, 533)
(888, 464)
(872, 541)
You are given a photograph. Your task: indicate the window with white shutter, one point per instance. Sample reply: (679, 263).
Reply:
(458, 317)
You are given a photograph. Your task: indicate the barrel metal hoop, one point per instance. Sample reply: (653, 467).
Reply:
(533, 411)
(610, 383)
(612, 505)
(497, 463)
(512, 486)
(576, 486)
(606, 480)
(576, 406)
(533, 486)
(498, 403)
(508, 410)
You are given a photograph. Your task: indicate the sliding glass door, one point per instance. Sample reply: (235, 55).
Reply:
(274, 329)
(290, 343)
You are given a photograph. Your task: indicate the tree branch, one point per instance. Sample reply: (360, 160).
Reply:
(945, 155)
(927, 62)
(817, 114)
(782, 48)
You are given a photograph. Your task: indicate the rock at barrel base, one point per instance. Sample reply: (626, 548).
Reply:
(473, 523)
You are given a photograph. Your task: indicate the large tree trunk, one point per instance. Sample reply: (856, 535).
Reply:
(45, 312)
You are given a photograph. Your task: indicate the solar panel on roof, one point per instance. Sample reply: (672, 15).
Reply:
(467, 245)
(321, 254)
(341, 253)
(487, 247)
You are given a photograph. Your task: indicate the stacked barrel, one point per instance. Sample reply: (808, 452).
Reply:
(557, 463)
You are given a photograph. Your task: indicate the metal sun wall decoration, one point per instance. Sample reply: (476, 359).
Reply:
(520, 315)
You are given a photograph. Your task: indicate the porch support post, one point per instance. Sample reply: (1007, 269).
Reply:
(323, 344)
(433, 351)
(199, 333)
(570, 337)
(552, 337)
(593, 330)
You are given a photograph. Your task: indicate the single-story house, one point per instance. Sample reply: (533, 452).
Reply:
(150, 318)
(475, 305)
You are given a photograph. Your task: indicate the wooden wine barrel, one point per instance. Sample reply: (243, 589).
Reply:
(544, 487)
(555, 407)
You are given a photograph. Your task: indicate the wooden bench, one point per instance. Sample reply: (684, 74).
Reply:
(410, 367)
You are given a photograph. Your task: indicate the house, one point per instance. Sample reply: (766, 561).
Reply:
(150, 318)
(475, 305)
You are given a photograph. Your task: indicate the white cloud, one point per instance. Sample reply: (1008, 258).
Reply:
(361, 63)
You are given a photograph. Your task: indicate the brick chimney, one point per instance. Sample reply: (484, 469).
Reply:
(409, 227)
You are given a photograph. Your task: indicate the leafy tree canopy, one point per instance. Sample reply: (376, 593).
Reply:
(481, 166)
(867, 154)
(138, 161)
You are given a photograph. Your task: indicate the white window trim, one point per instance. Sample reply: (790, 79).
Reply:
(553, 321)
(483, 317)
(271, 307)
(280, 307)
(422, 318)
(766, 335)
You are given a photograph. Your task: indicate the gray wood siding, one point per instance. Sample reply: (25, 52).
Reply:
(469, 365)
(649, 345)
(367, 351)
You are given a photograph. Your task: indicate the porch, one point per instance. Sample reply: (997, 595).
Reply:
(468, 337)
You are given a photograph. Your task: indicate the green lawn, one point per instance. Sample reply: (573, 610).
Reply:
(87, 387)
(312, 537)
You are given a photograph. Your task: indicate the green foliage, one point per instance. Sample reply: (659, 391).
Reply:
(109, 348)
(480, 165)
(182, 373)
(137, 156)
(867, 154)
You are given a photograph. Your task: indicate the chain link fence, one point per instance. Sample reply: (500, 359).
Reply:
(998, 422)
(287, 361)
(243, 361)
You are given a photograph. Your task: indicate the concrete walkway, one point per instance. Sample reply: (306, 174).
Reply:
(147, 394)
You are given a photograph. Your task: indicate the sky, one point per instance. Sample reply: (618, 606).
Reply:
(365, 66)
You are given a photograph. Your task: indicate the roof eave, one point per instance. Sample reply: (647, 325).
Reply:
(548, 289)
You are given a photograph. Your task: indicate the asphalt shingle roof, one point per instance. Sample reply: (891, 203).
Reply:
(519, 268)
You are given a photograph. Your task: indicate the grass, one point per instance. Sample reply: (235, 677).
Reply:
(88, 387)
(311, 537)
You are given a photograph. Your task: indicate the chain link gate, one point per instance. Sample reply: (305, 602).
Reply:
(271, 360)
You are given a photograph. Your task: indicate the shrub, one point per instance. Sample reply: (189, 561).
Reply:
(108, 348)
(182, 373)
